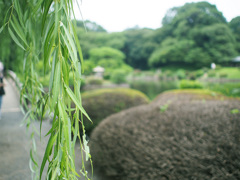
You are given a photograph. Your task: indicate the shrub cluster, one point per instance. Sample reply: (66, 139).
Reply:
(104, 102)
(190, 84)
(196, 136)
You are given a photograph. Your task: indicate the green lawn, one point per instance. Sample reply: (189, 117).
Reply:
(230, 72)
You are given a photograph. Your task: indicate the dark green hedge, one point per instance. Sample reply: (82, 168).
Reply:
(180, 135)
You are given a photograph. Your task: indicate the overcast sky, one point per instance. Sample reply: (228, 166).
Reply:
(118, 15)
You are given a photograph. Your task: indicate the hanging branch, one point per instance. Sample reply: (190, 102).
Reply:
(44, 30)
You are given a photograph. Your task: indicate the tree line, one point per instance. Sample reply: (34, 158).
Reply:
(195, 35)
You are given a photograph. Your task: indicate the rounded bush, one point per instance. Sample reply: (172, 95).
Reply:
(190, 84)
(103, 102)
(180, 135)
(94, 81)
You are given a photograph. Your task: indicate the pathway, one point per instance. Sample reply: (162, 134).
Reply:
(15, 142)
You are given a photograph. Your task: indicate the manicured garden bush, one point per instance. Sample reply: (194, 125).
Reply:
(190, 84)
(189, 134)
(103, 102)
(94, 81)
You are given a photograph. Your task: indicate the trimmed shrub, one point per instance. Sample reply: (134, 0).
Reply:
(211, 74)
(190, 84)
(94, 81)
(103, 102)
(223, 75)
(185, 135)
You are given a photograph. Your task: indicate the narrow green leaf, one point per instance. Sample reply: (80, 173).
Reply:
(32, 158)
(72, 55)
(5, 18)
(48, 44)
(1, 29)
(56, 83)
(72, 45)
(52, 71)
(16, 26)
(65, 71)
(43, 111)
(19, 12)
(46, 7)
(15, 39)
(51, 141)
(76, 101)
(37, 6)
(66, 125)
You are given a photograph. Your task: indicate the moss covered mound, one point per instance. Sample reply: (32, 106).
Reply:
(179, 135)
(103, 102)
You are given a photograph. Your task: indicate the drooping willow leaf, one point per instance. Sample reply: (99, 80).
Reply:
(45, 31)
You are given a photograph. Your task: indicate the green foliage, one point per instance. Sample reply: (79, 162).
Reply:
(235, 27)
(110, 59)
(212, 73)
(229, 72)
(118, 76)
(191, 133)
(138, 46)
(103, 102)
(195, 34)
(98, 54)
(235, 111)
(54, 39)
(228, 88)
(152, 88)
(94, 81)
(190, 84)
(88, 67)
(90, 26)
(91, 40)
(181, 74)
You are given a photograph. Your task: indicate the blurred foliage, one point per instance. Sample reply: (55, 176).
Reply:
(228, 89)
(103, 102)
(118, 76)
(190, 84)
(10, 54)
(234, 24)
(196, 34)
(193, 35)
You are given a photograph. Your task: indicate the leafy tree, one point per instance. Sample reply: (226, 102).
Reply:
(98, 54)
(55, 40)
(138, 47)
(90, 26)
(109, 58)
(234, 24)
(195, 34)
(90, 40)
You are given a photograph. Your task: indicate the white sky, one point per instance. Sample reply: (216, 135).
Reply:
(118, 15)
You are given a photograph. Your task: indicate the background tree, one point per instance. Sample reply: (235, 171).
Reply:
(138, 47)
(195, 34)
(234, 24)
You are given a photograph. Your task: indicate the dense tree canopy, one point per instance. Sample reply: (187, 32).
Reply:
(196, 34)
(138, 47)
(234, 24)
